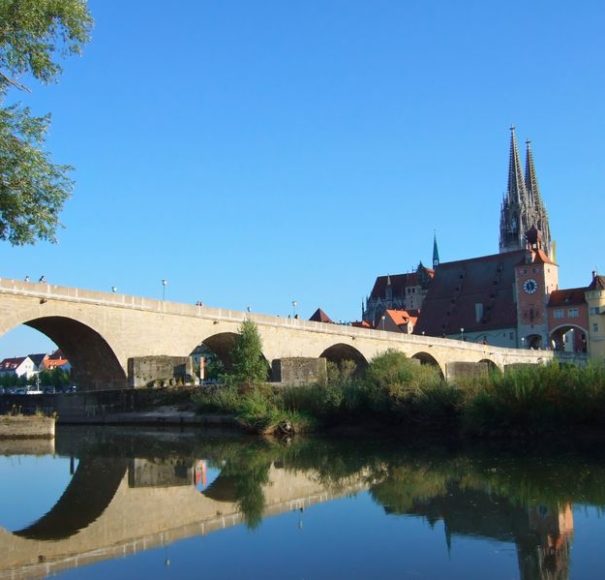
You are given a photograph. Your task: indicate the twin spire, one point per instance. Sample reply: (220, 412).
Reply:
(522, 206)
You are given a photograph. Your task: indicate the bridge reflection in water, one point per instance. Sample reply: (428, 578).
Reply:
(134, 493)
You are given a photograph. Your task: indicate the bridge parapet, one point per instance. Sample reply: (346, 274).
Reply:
(101, 331)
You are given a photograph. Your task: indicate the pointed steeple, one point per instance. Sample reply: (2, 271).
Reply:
(435, 251)
(513, 205)
(537, 211)
(516, 186)
(522, 206)
(531, 181)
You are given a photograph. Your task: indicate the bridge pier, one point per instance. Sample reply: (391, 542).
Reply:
(458, 370)
(145, 371)
(297, 371)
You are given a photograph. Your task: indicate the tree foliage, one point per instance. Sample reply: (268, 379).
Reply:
(34, 34)
(248, 364)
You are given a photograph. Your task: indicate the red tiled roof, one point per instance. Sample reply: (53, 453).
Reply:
(399, 282)
(539, 256)
(55, 363)
(400, 317)
(458, 286)
(320, 316)
(9, 364)
(567, 297)
(362, 324)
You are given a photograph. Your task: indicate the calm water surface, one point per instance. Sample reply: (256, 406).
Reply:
(118, 503)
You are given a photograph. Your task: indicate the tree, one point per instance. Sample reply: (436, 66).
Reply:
(33, 34)
(248, 364)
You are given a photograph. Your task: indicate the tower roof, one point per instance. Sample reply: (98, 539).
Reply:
(320, 316)
(516, 184)
(531, 181)
(435, 251)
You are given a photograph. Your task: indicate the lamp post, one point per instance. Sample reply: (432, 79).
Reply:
(114, 289)
(164, 284)
(382, 318)
(461, 333)
(294, 305)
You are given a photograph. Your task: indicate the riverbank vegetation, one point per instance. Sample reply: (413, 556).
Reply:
(395, 392)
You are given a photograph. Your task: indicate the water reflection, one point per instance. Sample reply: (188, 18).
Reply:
(132, 491)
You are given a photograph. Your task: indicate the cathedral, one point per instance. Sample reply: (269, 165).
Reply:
(509, 299)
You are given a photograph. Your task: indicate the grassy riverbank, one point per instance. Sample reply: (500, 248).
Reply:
(394, 393)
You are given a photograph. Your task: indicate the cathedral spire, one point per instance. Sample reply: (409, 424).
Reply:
(512, 226)
(516, 186)
(435, 251)
(531, 181)
(537, 209)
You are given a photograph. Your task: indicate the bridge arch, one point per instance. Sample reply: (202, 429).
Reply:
(340, 352)
(492, 367)
(427, 359)
(222, 344)
(569, 338)
(95, 365)
(88, 494)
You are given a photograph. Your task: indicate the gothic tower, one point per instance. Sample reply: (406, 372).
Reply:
(522, 207)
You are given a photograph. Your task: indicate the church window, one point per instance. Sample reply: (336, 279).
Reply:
(478, 311)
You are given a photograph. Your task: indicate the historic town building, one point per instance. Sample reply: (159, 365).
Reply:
(509, 299)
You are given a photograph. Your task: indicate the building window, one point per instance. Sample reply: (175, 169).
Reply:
(594, 310)
(558, 313)
(478, 312)
(573, 313)
(595, 327)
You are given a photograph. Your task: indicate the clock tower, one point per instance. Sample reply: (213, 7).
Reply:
(536, 276)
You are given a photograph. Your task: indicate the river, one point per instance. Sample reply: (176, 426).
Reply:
(134, 503)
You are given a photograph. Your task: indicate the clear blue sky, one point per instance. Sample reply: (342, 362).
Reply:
(252, 153)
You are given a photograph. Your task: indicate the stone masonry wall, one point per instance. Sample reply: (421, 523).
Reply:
(145, 371)
(21, 427)
(296, 371)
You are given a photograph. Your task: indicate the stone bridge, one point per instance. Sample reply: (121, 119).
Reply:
(120, 506)
(100, 332)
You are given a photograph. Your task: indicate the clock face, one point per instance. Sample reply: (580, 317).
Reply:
(530, 286)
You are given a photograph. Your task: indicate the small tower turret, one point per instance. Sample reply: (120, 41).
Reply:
(435, 251)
